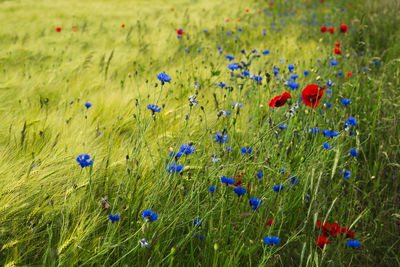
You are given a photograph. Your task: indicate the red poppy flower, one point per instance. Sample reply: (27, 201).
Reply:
(247, 10)
(335, 229)
(271, 3)
(258, 11)
(325, 228)
(343, 28)
(226, 20)
(58, 29)
(74, 28)
(270, 222)
(172, 9)
(179, 31)
(331, 30)
(321, 241)
(348, 74)
(349, 232)
(323, 29)
(123, 25)
(337, 51)
(311, 95)
(279, 100)
(338, 44)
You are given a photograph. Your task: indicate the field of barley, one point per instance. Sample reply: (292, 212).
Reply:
(199, 133)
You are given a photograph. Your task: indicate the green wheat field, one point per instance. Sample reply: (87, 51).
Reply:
(159, 133)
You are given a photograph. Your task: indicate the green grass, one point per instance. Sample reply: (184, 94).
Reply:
(50, 207)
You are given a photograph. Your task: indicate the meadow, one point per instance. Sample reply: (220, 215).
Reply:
(199, 133)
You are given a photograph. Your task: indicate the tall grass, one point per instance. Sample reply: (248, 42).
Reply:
(50, 206)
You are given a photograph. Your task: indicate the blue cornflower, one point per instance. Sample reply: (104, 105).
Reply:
(327, 146)
(240, 29)
(259, 175)
(84, 160)
(376, 63)
(353, 152)
(164, 78)
(282, 126)
(215, 158)
(198, 222)
(329, 91)
(240, 191)
(345, 101)
(271, 240)
(283, 170)
(346, 173)
(246, 73)
(243, 51)
(293, 85)
(237, 103)
(230, 57)
(228, 149)
(351, 133)
(331, 134)
(174, 167)
(265, 52)
(353, 243)
(294, 76)
(222, 85)
(88, 105)
(226, 180)
(328, 105)
(306, 73)
(258, 79)
(149, 215)
(185, 148)
(293, 180)
(154, 108)
(205, 30)
(333, 63)
(329, 83)
(340, 73)
(245, 150)
(233, 66)
(114, 218)
(291, 67)
(212, 189)
(278, 188)
(351, 121)
(314, 130)
(199, 236)
(175, 155)
(255, 203)
(221, 138)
